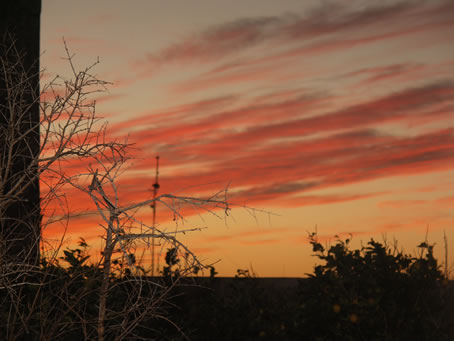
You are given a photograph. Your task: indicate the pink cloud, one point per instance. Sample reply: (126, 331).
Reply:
(282, 171)
(242, 76)
(320, 32)
(259, 156)
(221, 139)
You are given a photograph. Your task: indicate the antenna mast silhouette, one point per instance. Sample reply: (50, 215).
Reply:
(153, 206)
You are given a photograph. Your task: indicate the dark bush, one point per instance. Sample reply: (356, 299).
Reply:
(375, 293)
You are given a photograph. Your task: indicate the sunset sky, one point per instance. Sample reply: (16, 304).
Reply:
(335, 114)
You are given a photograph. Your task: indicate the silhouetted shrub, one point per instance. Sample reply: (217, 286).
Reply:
(375, 293)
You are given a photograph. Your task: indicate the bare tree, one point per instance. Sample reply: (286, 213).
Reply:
(72, 132)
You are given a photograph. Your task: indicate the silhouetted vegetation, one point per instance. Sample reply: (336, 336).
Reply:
(375, 293)
(372, 293)
(40, 298)
(63, 302)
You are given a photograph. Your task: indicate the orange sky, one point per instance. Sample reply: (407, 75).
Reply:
(336, 113)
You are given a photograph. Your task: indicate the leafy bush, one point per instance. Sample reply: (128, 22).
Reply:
(61, 301)
(375, 293)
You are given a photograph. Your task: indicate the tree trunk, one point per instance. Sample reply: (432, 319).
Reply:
(104, 290)
(19, 131)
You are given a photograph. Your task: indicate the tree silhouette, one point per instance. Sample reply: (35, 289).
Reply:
(19, 130)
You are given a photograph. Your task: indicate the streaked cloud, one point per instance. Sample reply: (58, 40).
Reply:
(328, 27)
(294, 111)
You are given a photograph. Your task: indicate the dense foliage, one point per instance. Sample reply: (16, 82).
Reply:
(60, 301)
(374, 293)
